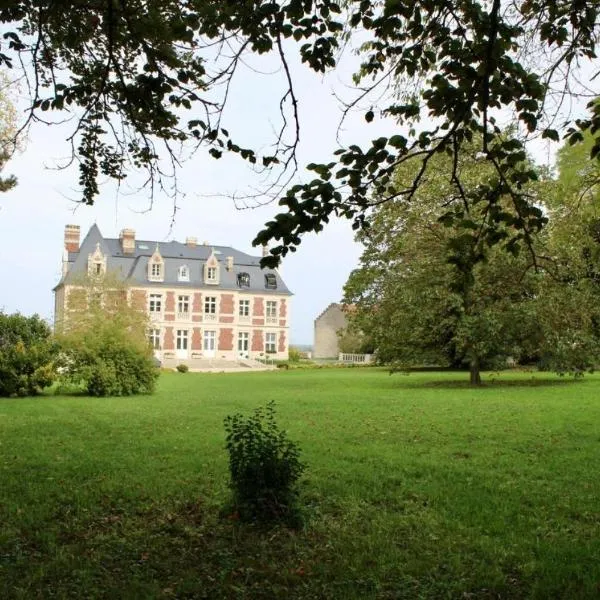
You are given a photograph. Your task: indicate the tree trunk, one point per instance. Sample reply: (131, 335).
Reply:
(475, 374)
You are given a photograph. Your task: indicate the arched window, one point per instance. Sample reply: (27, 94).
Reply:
(183, 273)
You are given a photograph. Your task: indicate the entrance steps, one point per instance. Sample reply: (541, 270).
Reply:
(217, 365)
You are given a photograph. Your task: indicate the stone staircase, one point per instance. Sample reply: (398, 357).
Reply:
(218, 365)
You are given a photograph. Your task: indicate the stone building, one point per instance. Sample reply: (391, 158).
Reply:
(202, 301)
(327, 324)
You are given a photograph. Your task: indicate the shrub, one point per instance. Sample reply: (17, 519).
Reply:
(264, 466)
(294, 355)
(107, 364)
(27, 355)
(182, 368)
(104, 342)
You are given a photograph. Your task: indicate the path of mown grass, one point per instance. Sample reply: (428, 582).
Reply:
(417, 486)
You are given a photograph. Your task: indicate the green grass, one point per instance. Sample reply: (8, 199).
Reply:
(417, 487)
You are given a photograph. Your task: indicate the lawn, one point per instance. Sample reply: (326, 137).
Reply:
(416, 487)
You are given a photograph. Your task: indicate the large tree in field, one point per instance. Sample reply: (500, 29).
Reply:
(429, 294)
(142, 77)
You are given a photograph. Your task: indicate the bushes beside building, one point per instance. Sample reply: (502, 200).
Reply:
(104, 345)
(27, 355)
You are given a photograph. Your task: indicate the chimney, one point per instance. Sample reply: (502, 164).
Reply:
(205, 243)
(72, 238)
(127, 239)
(229, 263)
(191, 242)
(265, 250)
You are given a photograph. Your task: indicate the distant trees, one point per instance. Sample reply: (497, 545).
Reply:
(27, 355)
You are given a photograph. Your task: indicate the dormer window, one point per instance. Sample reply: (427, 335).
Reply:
(243, 280)
(270, 281)
(183, 273)
(211, 270)
(156, 267)
(96, 263)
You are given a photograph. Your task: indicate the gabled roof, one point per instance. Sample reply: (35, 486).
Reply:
(133, 267)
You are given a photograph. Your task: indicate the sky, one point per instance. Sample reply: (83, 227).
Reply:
(33, 215)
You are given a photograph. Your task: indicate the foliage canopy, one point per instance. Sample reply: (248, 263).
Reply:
(142, 78)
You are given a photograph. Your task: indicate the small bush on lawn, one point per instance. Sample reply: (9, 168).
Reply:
(264, 466)
(27, 355)
(182, 368)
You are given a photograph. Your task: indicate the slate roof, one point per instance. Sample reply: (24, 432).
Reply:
(133, 267)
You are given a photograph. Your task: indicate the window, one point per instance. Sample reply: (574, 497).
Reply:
(154, 337)
(210, 305)
(210, 338)
(244, 308)
(183, 304)
(183, 273)
(211, 273)
(98, 268)
(270, 343)
(155, 270)
(155, 303)
(271, 308)
(182, 339)
(270, 281)
(243, 280)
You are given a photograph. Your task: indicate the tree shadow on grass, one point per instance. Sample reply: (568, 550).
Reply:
(490, 381)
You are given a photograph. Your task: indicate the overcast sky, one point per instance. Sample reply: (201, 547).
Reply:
(33, 215)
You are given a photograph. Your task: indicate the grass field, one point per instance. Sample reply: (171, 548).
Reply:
(416, 487)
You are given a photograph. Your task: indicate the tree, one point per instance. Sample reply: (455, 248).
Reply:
(103, 336)
(445, 69)
(27, 355)
(8, 132)
(428, 294)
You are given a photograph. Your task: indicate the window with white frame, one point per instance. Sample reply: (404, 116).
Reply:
(210, 341)
(271, 342)
(155, 305)
(244, 309)
(211, 274)
(154, 337)
(183, 273)
(271, 308)
(183, 304)
(182, 339)
(156, 270)
(210, 305)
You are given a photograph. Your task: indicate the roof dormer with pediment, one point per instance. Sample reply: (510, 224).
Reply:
(212, 270)
(156, 266)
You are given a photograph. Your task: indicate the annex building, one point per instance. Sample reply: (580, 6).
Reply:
(202, 301)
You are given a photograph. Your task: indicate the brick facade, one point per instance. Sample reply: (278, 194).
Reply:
(169, 343)
(259, 307)
(258, 344)
(226, 304)
(226, 339)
